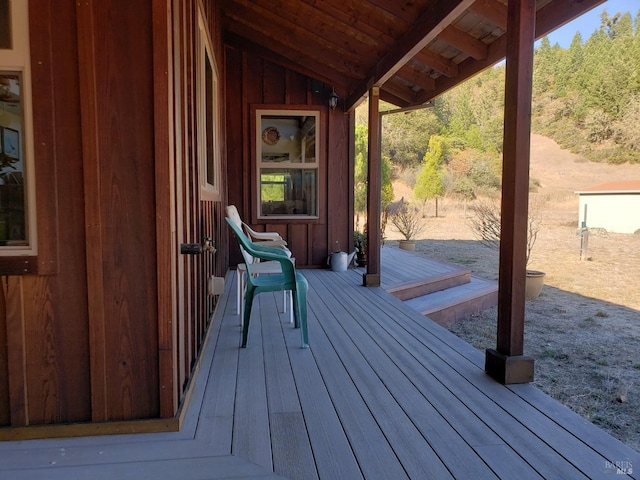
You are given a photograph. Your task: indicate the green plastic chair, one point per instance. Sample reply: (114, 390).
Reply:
(289, 279)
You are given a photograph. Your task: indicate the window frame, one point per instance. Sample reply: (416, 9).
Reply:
(208, 115)
(17, 60)
(258, 112)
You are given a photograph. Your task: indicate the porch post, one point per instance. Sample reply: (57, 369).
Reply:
(374, 181)
(507, 364)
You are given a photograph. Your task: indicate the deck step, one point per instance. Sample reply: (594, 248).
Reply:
(448, 306)
(435, 283)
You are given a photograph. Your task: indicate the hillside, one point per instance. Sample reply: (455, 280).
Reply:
(562, 170)
(560, 173)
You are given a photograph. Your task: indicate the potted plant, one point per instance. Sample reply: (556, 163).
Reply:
(360, 242)
(485, 222)
(406, 220)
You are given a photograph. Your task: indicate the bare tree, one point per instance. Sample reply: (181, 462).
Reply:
(405, 219)
(485, 223)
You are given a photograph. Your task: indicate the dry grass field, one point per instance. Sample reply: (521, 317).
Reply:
(584, 329)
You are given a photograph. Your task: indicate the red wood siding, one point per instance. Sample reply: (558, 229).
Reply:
(195, 218)
(111, 325)
(45, 317)
(116, 84)
(253, 81)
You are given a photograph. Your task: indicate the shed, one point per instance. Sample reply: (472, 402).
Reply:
(613, 206)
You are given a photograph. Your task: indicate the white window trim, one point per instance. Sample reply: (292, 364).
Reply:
(18, 59)
(291, 165)
(205, 49)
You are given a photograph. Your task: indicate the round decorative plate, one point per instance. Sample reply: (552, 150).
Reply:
(270, 135)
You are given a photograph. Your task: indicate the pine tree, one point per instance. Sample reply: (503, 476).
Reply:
(430, 180)
(360, 174)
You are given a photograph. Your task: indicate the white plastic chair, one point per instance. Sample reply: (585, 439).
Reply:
(270, 239)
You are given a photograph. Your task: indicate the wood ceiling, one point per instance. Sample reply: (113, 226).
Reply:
(414, 50)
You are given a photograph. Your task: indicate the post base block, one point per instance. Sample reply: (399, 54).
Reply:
(371, 279)
(508, 369)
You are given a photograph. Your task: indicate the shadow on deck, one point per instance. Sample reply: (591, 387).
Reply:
(382, 393)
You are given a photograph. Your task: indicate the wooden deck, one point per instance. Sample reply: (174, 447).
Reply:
(444, 292)
(382, 393)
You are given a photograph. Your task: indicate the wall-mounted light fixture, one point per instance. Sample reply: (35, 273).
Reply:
(333, 99)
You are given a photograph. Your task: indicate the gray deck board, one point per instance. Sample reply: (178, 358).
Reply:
(565, 444)
(193, 468)
(217, 413)
(479, 392)
(292, 454)
(445, 298)
(382, 392)
(251, 439)
(586, 431)
(332, 450)
(457, 453)
(409, 442)
(372, 450)
(402, 267)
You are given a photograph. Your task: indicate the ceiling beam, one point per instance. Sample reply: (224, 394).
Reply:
(265, 28)
(464, 42)
(493, 11)
(418, 77)
(548, 17)
(398, 89)
(425, 30)
(442, 65)
(308, 68)
(407, 11)
(363, 16)
(389, 97)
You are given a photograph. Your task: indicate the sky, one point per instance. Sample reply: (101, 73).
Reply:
(589, 22)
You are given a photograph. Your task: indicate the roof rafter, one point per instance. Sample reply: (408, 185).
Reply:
(442, 65)
(329, 76)
(414, 49)
(398, 88)
(249, 22)
(546, 18)
(465, 42)
(418, 77)
(426, 29)
(392, 99)
(493, 11)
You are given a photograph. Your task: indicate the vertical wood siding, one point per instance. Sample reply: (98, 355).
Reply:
(251, 80)
(116, 85)
(44, 362)
(195, 218)
(111, 326)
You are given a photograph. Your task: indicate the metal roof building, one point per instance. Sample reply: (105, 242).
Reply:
(613, 206)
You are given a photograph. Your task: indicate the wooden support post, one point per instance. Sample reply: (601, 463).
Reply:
(507, 364)
(374, 181)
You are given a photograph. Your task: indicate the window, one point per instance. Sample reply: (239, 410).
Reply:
(208, 111)
(5, 25)
(287, 155)
(17, 198)
(13, 229)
